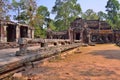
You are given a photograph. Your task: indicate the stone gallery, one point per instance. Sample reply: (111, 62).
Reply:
(87, 31)
(11, 31)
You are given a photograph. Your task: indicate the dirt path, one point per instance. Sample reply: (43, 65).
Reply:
(100, 62)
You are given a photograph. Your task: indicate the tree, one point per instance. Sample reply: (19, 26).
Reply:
(90, 15)
(41, 18)
(43, 11)
(25, 10)
(112, 9)
(66, 11)
(18, 7)
(37, 23)
(51, 25)
(4, 8)
(102, 16)
(30, 8)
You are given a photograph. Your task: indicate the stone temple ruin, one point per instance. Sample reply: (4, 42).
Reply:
(87, 31)
(80, 31)
(11, 31)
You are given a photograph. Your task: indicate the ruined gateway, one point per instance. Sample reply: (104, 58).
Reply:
(87, 31)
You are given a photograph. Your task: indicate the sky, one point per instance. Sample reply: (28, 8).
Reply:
(96, 5)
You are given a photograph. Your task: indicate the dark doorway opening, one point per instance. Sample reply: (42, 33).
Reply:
(77, 36)
(110, 38)
(11, 33)
(23, 32)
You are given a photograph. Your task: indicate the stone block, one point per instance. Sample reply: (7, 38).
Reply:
(22, 41)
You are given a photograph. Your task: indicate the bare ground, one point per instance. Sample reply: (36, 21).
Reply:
(100, 62)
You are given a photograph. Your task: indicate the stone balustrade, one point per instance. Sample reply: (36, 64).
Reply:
(23, 42)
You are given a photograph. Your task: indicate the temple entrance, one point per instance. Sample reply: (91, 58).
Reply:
(11, 33)
(77, 36)
(23, 32)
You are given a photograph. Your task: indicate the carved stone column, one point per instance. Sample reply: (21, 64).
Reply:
(31, 33)
(71, 35)
(4, 34)
(22, 47)
(17, 32)
(89, 38)
(81, 35)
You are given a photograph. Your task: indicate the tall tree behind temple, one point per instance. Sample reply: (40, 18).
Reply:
(113, 13)
(40, 19)
(90, 15)
(66, 11)
(102, 16)
(25, 10)
(30, 8)
(4, 8)
(17, 7)
(43, 11)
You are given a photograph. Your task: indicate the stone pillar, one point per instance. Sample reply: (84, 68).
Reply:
(29, 33)
(81, 34)
(71, 35)
(17, 33)
(1, 38)
(0, 32)
(89, 38)
(4, 34)
(74, 35)
(32, 33)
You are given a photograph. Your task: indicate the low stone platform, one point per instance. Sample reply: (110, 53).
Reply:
(9, 63)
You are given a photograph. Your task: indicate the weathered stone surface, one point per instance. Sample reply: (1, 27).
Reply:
(22, 41)
(38, 55)
(22, 46)
(18, 76)
(118, 43)
(91, 44)
(84, 45)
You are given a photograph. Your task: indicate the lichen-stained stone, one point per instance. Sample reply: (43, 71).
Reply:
(22, 46)
(22, 41)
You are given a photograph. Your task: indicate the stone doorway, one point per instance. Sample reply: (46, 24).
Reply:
(23, 32)
(77, 36)
(11, 33)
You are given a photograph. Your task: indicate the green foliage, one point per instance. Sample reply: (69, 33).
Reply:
(42, 10)
(25, 10)
(102, 16)
(112, 9)
(66, 11)
(29, 13)
(4, 9)
(40, 20)
(52, 26)
(90, 15)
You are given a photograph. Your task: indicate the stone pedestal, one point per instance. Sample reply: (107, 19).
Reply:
(22, 47)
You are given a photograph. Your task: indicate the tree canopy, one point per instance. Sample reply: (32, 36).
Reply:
(4, 8)
(113, 13)
(66, 11)
(90, 15)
